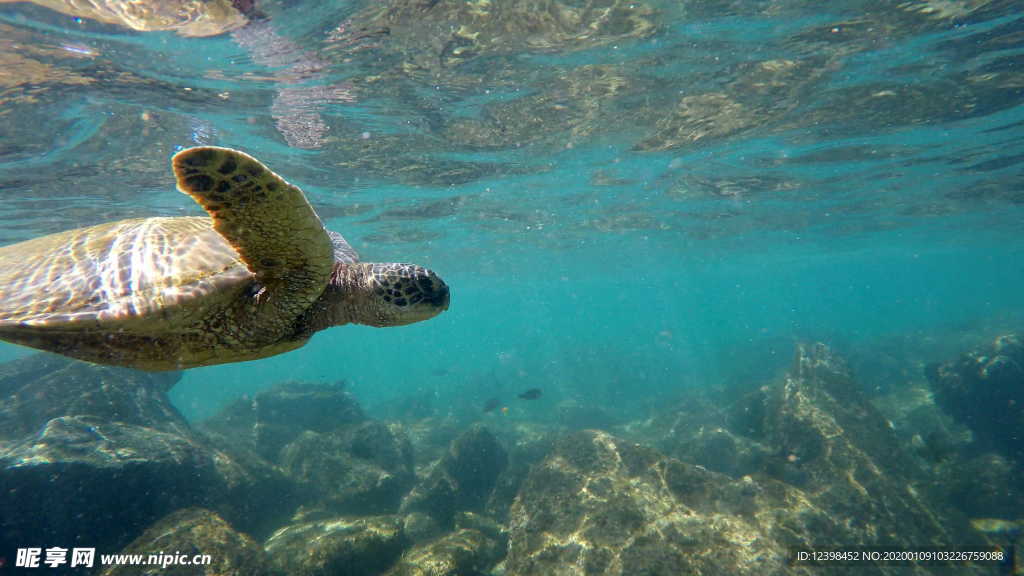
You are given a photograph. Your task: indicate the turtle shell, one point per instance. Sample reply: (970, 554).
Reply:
(146, 273)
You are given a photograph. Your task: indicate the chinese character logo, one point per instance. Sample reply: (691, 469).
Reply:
(28, 557)
(83, 557)
(56, 556)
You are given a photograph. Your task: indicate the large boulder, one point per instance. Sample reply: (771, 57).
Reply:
(337, 546)
(530, 446)
(988, 485)
(465, 552)
(601, 505)
(984, 390)
(82, 480)
(365, 468)
(273, 418)
(431, 437)
(827, 470)
(91, 455)
(320, 438)
(253, 494)
(40, 387)
(711, 428)
(462, 479)
(831, 441)
(186, 536)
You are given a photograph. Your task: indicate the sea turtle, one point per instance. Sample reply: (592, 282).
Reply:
(256, 278)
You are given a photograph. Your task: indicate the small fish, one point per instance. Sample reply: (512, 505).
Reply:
(491, 404)
(504, 410)
(996, 526)
(532, 394)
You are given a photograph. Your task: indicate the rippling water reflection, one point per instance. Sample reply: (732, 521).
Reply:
(775, 116)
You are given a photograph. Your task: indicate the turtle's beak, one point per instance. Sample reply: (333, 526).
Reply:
(441, 295)
(433, 290)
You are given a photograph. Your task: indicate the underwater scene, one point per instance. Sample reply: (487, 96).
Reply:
(511, 287)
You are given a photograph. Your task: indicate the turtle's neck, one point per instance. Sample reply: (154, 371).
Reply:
(345, 300)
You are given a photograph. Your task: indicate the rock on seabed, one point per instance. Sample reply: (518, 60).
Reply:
(600, 505)
(984, 390)
(92, 455)
(195, 532)
(337, 546)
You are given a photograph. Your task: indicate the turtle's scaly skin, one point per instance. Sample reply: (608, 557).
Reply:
(255, 279)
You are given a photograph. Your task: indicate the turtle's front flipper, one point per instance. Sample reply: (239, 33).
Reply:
(269, 221)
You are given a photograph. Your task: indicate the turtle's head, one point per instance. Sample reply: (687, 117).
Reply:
(390, 294)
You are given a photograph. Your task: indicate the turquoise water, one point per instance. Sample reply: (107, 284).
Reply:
(709, 188)
(629, 200)
(704, 193)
